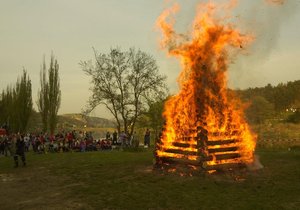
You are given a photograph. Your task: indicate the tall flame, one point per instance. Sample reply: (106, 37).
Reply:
(204, 99)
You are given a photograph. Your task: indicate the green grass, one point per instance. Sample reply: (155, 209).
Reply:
(125, 180)
(277, 131)
(277, 135)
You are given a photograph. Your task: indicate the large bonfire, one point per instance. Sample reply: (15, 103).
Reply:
(205, 110)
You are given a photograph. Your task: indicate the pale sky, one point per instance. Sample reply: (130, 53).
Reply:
(30, 29)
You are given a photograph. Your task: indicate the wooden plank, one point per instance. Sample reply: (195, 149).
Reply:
(178, 151)
(224, 149)
(184, 145)
(223, 156)
(221, 142)
(225, 166)
(232, 132)
(173, 160)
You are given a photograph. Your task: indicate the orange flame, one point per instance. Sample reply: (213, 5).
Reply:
(204, 99)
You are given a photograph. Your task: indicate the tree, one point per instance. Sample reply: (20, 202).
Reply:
(16, 104)
(49, 95)
(43, 97)
(122, 82)
(54, 93)
(259, 110)
(282, 97)
(23, 101)
(7, 107)
(294, 118)
(153, 117)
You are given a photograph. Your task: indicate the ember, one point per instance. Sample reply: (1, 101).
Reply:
(205, 126)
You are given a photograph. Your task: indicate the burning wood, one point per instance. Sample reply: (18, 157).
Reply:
(204, 126)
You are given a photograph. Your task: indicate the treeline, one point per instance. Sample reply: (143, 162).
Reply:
(273, 102)
(16, 106)
(269, 103)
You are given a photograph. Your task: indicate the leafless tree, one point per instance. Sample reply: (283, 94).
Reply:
(122, 82)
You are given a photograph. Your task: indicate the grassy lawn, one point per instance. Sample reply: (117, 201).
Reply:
(125, 180)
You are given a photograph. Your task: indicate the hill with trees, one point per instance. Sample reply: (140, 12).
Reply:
(281, 102)
(70, 122)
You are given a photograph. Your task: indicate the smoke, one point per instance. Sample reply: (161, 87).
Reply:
(255, 165)
(267, 22)
(275, 1)
(264, 19)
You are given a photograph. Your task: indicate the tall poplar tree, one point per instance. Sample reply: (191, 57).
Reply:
(54, 94)
(7, 107)
(43, 97)
(49, 95)
(23, 101)
(16, 104)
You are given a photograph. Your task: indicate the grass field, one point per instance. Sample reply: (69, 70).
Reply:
(125, 180)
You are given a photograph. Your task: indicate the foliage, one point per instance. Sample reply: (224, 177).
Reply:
(7, 106)
(49, 95)
(23, 101)
(282, 96)
(54, 96)
(259, 110)
(294, 118)
(43, 99)
(123, 81)
(153, 117)
(16, 104)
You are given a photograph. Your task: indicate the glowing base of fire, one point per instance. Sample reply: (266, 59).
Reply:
(199, 155)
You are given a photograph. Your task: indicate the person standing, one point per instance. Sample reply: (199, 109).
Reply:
(147, 138)
(12, 145)
(20, 151)
(1, 144)
(134, 142)
(6, 145)
(115, 138)
(27, 143)
(123, 138)
(107, 136)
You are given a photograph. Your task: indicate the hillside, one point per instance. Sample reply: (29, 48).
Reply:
(79, 120)
(71, 121)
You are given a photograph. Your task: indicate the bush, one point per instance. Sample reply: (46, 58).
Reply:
(294, 118)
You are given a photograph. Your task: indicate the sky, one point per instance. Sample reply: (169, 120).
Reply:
(32, 29)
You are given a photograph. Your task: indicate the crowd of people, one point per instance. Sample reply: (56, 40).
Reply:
(73, 140)
(16, 144)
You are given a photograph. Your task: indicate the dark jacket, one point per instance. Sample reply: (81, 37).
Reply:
(20, 146)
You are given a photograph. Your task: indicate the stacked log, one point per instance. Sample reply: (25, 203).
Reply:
(224, 153)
